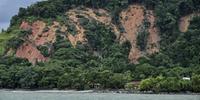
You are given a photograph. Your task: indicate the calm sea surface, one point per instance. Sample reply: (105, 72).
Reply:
(63, 95)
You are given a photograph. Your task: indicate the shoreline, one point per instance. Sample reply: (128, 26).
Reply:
(97, 91)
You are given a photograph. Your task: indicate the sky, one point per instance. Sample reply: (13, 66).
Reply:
(9, 8)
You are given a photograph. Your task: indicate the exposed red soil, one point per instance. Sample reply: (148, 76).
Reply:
(132, 19)
(46, 37)
(25, 26)
(38, 37)
(30, 52)
(153, 39)
(90, 14)
(37, 28)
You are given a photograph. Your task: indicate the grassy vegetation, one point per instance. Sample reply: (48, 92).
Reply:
(4, 37)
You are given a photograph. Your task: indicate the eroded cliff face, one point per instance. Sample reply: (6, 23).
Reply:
(41, 35)
(132, 19)
(99, 15)
(184, 21)
(153, 38)
(30, 52)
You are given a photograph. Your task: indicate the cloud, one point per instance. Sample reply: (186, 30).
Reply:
(9, 8)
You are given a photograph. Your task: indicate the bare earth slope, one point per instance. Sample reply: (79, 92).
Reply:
(184, 21)
(132, 19)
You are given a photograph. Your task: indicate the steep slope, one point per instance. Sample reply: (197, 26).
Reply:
(132, 20)
(99, 15)
(38, 37)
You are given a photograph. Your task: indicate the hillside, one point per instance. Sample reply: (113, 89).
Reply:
(104, 44)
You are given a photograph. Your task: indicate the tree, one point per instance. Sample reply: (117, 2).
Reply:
(28, 78)
(14, 43)
(185, 7)
(4, 76)
(196, 4)
(65, 81)
(118, 81)
(185, 85)
(50, 73)
(147, 84)
(195, 83)
(144, 71)
(142, 39)
(160, 59)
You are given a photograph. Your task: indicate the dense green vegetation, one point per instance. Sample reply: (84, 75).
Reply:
(4, 37)
(170, 84)
(103, 62)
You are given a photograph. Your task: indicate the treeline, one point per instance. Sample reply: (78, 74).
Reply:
(171, 84)
(61, 77)
(18, 73)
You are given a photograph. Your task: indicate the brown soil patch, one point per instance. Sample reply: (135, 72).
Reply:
(25, 26)
(99, 15)
(153, 39)
(46, 37)
(132, 19)
(184, 21)
(103, 17)
(37, 28)
(80, 36)
(38, 37)
(30, 52)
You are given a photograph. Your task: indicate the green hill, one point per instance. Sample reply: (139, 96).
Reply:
(104, 44)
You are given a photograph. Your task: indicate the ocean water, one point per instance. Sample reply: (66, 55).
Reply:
(66, 95)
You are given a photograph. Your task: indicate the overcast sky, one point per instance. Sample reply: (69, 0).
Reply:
(9, 8)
